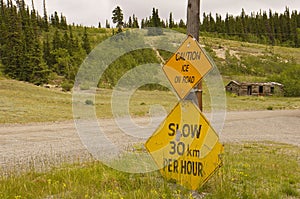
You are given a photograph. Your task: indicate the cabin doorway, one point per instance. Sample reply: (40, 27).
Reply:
(261, 90)
(249, 90)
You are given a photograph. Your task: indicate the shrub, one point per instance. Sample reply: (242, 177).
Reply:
(66, 86)
(290, 79)
(270, 108)
(89, 102)
(233, 95)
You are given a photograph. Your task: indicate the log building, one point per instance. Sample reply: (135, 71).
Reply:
(255, 89)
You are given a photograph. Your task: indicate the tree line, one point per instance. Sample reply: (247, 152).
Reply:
(270, 28)
(152, 21)
(34, 47)
(267, 28)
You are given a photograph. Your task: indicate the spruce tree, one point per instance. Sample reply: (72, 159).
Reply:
(46, 52)
(294, 32)
(135, 23)
(205, 24)
(39, 70)
(73, 43)
(34, 19)
(118, 18)
(107, 25)
(143, 23)
(3, 26)
(65, 42)
(63, 22)
(287, 17)
(45, 18)
(271, 28)
(277, 27)
(55, 20)
(171, 21)
(56, 41)
(219, 24)
(212, 23)
(129, 23)
(13, 48)
(244, 22)
(298, 20)
(155, 19)
(181, 24)
(86, 42)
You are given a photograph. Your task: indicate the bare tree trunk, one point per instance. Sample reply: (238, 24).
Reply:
(193, 28)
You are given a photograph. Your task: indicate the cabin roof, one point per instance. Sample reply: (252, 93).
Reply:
(255, 83)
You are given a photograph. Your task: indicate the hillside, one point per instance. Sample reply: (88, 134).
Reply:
(250, 62)
(46, 49)
(39, 50)
(24, 102)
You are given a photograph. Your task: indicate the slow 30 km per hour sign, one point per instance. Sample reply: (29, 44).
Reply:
(187, 66)
(185, 147)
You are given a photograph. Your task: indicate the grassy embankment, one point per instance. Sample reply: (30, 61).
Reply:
(24, 103)
(250, 170)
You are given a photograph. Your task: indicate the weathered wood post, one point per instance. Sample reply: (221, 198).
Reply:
(193, 28)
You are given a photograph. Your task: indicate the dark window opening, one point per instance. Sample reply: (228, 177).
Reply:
(249, 90)
(261, 89)
(272, 90)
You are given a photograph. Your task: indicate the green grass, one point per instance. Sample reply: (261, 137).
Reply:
(250, 103)
(25, 103)
(257, 170)
(250, 170)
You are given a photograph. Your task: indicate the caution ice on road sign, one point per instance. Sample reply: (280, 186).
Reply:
(183, 76)
(185, 147)
(187, 66)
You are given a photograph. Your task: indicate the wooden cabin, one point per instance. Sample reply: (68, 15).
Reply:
(255, 89)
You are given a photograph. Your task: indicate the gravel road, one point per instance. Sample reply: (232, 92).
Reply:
(45, 144)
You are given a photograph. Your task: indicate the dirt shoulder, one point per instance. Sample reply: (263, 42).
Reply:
(51, 143)
(277, 126)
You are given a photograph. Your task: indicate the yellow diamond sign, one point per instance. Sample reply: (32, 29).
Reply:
(187, 66)
(185, 147)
